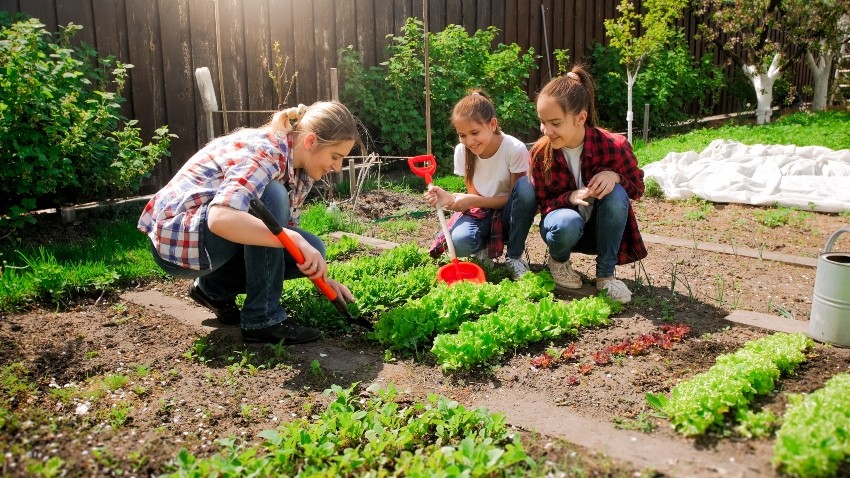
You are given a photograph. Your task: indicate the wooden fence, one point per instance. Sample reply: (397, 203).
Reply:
(166, 40)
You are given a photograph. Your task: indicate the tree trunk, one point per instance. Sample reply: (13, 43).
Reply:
(630, 83)
(763, 85)
(820, 68)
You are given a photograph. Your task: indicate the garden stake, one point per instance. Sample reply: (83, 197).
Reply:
(259, 209)
(424, 166)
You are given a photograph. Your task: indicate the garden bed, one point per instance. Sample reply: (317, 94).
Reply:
(182, 394)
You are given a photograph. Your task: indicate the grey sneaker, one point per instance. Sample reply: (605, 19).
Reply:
(615, 288)
(481, 255)
(518, 267)
(564, 274)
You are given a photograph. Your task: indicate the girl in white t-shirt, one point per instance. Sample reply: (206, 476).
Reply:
(494, 166)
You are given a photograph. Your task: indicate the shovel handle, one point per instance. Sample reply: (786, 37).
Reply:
(263, 213)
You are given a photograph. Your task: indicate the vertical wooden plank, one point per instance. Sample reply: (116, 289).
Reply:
(282, 31)
(599, 23)
(438, 17)
(148, 96)
(558, 27)
(346, 24)
(483, 14)
(110, 29)
(383, 27)
(203, 44)
(366, 32)
(178, 78)
(80, 13)
(325, 40)
(454, 13)
(511, 16)
(9, 6)
(467, 15)
(305, 51)
(44, 10)
(535, 40)
(497, 19)
(258, 60)
(578, 32)
(235, 87)
(402, 11)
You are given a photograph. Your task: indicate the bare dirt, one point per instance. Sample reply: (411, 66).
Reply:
(241, 390)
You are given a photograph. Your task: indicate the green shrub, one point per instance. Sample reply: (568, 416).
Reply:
(62, 136)
(671, 82)
(390, 99)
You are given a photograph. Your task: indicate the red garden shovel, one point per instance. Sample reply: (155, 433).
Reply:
(424, 166)
(259, 209)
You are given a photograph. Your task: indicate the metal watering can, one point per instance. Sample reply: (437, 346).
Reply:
(830, 319)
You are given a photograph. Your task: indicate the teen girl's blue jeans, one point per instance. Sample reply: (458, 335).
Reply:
(564, 231)
(256, 271)
(470, 235)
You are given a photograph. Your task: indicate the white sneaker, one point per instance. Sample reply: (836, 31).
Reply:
(615, 288)
(518, 267)
(564, 274)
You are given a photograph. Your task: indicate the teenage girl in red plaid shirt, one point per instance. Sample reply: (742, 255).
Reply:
(583, 179)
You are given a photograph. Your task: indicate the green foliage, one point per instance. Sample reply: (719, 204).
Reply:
(114, 255)
(320, 220)
(652, 189)
(813, 439)
(705, 400)
(826, 128)
(390, 99)
(345, 246)
(415, 323)
(671, 81)
(63, 137)
(516, 324)
(373, 437)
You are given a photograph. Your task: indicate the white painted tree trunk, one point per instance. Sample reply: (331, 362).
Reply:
(820, 68)
(763, 85)
(630, 115)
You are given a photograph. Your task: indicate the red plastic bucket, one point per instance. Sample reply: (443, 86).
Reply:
(461, 271)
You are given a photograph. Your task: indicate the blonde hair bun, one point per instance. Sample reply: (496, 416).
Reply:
(285, 120)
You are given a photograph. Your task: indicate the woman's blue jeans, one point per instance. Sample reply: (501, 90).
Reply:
(256, 271)
(470, 235)
(564, 231)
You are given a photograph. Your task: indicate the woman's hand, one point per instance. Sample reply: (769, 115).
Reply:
(603, 183)
(579, 197)
(341, 290)
(314, 265)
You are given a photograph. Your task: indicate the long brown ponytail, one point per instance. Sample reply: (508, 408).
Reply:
(575, 93)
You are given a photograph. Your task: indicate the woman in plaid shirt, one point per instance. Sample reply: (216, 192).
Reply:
(200, 227)
(584, 178)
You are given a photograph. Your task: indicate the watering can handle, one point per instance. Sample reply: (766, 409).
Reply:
(833, 238)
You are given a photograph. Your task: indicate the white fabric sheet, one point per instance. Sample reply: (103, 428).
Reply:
(787, 175)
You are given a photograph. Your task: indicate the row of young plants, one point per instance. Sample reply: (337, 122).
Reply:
(728, 387)
(377, 282)
(516, 324)
(814, 439)
(373, 437)
(445, 308)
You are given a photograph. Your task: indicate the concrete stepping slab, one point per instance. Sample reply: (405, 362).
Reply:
(733, 250)
(768, 321)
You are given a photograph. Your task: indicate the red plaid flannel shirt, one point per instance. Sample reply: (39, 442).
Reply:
(603, 151)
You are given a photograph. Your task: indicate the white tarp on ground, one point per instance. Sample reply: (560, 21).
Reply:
(728, 171)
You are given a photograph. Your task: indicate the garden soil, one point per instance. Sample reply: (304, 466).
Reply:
(597, 417)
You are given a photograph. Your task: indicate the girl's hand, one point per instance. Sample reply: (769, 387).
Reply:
(435, 194)
(462, 202)
(579, 197)
(603, 183)
(314, 265)
(341, 290)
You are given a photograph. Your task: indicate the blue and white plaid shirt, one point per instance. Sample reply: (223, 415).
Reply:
(230, 170)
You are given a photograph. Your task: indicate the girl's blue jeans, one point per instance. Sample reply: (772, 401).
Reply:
(256, 271)
(470, 235)
(564, 231)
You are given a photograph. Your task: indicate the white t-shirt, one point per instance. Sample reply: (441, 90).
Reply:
(492, 175)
